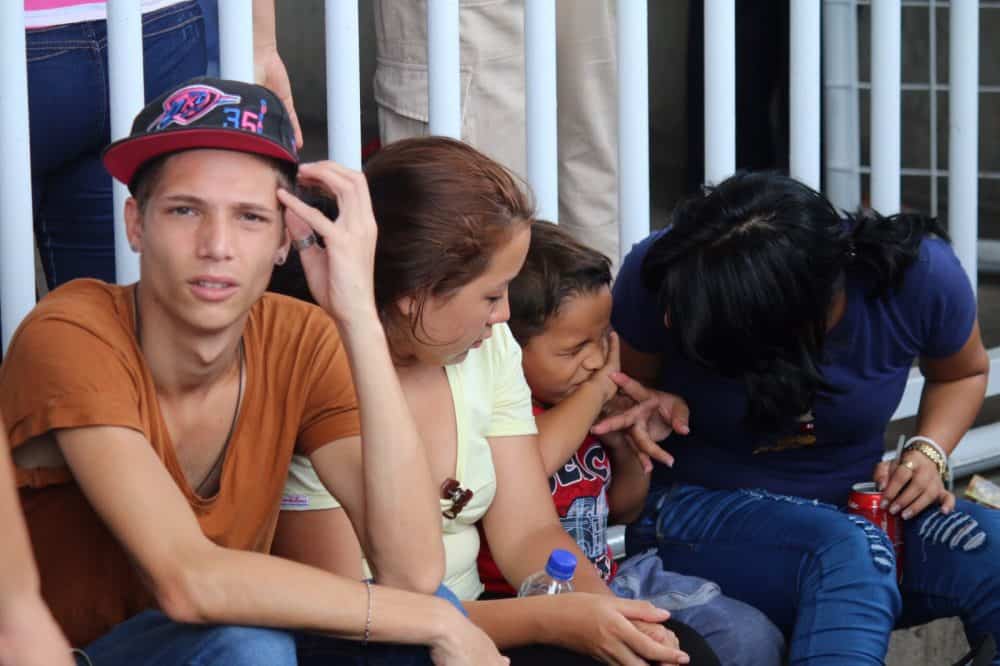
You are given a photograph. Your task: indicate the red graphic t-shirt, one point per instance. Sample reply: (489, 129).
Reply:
(579, 492)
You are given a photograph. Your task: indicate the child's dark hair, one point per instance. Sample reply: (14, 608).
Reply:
(557, 267)
(747, 275)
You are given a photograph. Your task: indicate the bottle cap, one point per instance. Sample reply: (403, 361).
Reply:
(561, 564)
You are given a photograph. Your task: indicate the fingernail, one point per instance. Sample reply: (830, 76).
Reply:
(881, 487)
(906, 515)
(883, 504)
(894, 509)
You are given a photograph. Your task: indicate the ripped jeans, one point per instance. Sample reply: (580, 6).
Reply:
(826, 579)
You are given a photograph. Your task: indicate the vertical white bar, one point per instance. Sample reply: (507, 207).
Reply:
(236, 40)
(720, 89)
(633, 123)
(541, 120)
(17, 247)
(963, 133)
(126, 96)
(886, 20)
(804, 83)
(343, 83)
(443, 63)
(933, 100)
(841, 129)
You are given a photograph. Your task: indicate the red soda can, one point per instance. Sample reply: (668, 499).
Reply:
(865, 500)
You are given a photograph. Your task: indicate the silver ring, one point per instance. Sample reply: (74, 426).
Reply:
(304, 243)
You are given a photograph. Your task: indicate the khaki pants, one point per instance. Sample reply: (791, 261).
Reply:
(492, 88)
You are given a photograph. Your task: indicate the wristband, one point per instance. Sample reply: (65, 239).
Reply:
(368, 618)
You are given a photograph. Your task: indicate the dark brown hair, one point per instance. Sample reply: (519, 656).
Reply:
(557, 268)
(443, 208)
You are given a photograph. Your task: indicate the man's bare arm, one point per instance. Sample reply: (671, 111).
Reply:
(28, 634)
(196, 581)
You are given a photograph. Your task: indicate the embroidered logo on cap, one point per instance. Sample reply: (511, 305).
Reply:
(189, 104)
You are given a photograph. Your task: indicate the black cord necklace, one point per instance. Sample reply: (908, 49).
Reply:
(236, 410)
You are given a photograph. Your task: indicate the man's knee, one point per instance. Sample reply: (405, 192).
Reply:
(252, 646)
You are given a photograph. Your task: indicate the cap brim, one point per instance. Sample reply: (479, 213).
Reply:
(124, 157)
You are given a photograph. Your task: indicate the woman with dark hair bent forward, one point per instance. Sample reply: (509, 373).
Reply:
(791, 330)
(453, 231)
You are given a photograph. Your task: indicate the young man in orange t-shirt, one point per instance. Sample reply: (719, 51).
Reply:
(152, 425)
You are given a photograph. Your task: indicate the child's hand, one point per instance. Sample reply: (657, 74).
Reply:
(603, 377)
(656, 416)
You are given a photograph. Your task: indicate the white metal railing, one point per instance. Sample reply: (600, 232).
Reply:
(125, 95)
(17, 256)
(837, 33)
(343, 90)
(540, 113)
(633, 128)
(979, 449)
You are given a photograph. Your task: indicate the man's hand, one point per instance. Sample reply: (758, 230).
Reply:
(341, 274)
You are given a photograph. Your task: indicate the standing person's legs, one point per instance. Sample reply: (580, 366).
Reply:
(492, 75)
(951, 567)
(70, 126)
(826, 578)
(588, 129)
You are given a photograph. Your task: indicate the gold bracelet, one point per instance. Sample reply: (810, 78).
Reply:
(933, 454)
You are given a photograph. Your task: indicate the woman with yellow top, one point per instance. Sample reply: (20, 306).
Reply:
(454, 228)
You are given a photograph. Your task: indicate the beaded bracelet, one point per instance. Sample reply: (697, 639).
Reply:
(932, 450)
(368, 619)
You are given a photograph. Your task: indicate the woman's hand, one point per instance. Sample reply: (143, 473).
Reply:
(911, 484)
(340, 275)
(616, 631)
(653, 419)
(465, 644)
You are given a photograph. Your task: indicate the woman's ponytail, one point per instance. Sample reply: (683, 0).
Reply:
(884, 247)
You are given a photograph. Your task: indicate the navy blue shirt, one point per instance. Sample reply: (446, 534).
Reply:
(868, 356)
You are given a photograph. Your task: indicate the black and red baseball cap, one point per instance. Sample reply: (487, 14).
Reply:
(205, 113)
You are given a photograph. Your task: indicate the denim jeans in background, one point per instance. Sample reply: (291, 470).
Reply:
(210, 10)
(70, 126)
(825, 578)
(153, 639)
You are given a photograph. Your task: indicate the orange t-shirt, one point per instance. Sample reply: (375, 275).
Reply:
(74, 362)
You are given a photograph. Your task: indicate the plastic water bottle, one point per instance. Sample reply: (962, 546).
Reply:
(556, 577)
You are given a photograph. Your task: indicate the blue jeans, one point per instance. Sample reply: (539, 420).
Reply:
(739, 634)
(828, 579)
(70, 126)
(153, 639)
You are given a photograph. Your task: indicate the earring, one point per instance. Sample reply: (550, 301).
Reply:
(279, 260)
(135, 248)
